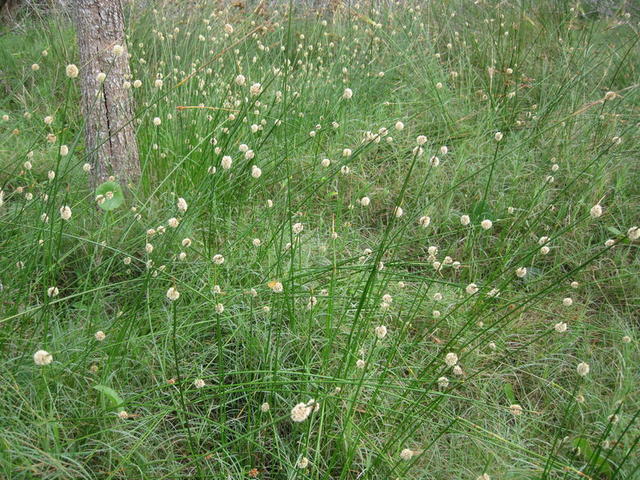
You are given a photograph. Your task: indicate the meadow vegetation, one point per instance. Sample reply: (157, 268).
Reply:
(394, 242)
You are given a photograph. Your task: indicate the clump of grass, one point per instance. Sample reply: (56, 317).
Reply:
(390, 242)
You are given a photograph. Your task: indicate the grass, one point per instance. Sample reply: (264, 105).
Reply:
(180, 388)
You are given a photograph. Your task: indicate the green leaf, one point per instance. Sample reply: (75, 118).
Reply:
(112, 396)
(113, 196)
(614, 230)
(508, 391)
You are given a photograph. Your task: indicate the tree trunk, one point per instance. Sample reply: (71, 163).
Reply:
(107, 106)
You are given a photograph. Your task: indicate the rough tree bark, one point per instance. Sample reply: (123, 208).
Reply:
(107, 106)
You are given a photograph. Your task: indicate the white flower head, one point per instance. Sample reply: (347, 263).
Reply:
(65, 212)
(583, 369)
(42, 358)
(173, 294)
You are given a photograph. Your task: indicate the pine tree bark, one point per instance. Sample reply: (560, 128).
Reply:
(107, 105)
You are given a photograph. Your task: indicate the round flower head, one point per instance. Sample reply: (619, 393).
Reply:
(381, 331)
(360, 363)
(567, 302)
(347, 94)
(365, 201)
(443, 382)
(255, 89)
(406, 454)
(421, 140)
(596, 211)
(398, 212)
(560, 327)
(521, 272)
(303, 462)
(65, 212)
(325, 162)
(265, 407)
(297, 228)
(53, 291)
(100, 335)
(515, 409)
(583, 369)
(424, 221)
(42, 358)
(255, 171)
(486, 224)
(451, 359)
(240, 80)
(226, 162)
(199, 383)
(399, 126)
(471, 288)
(218, 259)
(173, 294)
(300, 412)
(157, 121)
(465, 220)
(633, 234)
(498, 136)
(72, 71)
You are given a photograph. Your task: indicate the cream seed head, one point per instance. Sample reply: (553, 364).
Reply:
(560, 327)
(255, 89)
(583, 369)
(398, 212)
(421, 140)
(256, 172)
(486, 224)
(465, 220)
(406, 454)
(451, 359)
(65, 212)
(515, 409)
(471, 289)
(521, 272)
(325, 162)
(100, 335)
(360, 363)
(399, 126)
(365, 201)
(265, 407)
(424, 221)
(567, 302)
(300, 412)
(381, 331)
(633, 233)
(443, 382)
(199, 383)
(42, 358)
(173, 294)
(218, 259)
(596, 211)
(226, 162)
(303, 463)
(297, 228)
(347, 94)
(498, 136)
(72, 71)
(101, 77)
